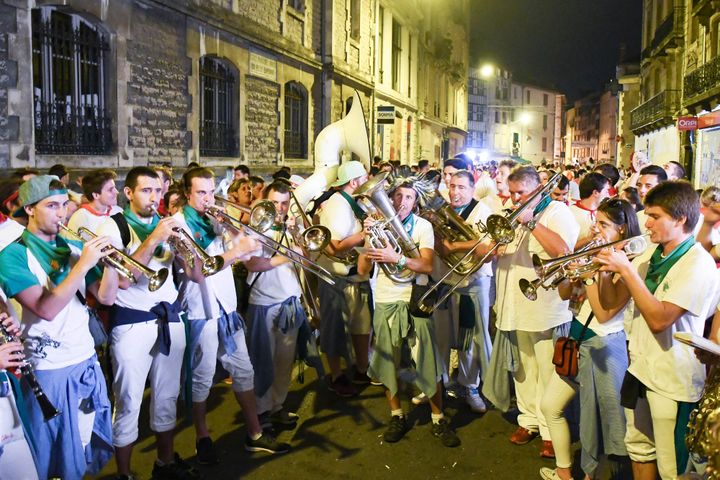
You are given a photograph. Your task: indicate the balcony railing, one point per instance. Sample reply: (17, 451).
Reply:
(667, 33)
(659, 109)
(702, 80)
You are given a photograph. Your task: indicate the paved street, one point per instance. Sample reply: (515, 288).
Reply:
(342, 439)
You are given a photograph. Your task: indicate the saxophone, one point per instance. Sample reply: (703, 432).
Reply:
(703, 437)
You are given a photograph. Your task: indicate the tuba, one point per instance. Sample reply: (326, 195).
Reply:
(703, 435)
(450, 226)
(390, 231)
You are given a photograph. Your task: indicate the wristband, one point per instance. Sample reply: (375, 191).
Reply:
(531, 225)
(401, 262)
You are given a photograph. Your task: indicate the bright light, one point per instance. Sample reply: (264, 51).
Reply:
(525, 118)
(484, 156)
(487, 71)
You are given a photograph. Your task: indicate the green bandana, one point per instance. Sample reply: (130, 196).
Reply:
(659, 266)
(542, 205)
(142, 230)
(201, 227)
(54, 259)
(359, 214)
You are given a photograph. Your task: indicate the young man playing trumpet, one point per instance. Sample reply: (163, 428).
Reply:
(147, 336)
(216, 330)
(548, 229)
(673, 287)
(401, 338)
(50, 278)
(275, 314)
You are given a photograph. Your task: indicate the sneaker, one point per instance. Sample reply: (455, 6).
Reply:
(342, 387)
(283, 417)
(266, 443)
(177, 470)
(547, 450)
(549, 474)
(265, 421)
(419, 399)
(475, 401)
(522, 435)
(454, 390)
(396, 430)
(446, 435)
(205, 451)
(361, 378)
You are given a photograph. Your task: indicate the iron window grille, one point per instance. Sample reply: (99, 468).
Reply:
(217, 125)
(69, 75)
(295, 121)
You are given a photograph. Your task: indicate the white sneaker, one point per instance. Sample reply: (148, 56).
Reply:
(549, 474)
(420, 399)
(475, 401)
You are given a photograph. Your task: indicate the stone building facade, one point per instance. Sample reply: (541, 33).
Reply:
(136, 82)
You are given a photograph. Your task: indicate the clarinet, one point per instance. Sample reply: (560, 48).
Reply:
(48, 409)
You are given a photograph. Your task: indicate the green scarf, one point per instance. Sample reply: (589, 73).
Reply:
(201, 227)
(54, 258)
(542, 205)
(142, 230)
(359, 214)
(659, 266)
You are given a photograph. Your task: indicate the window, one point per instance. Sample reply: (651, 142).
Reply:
(298, 5)
(544, 144)
(217, 109)
(410, 66)
(544, 122)
(497, 116)
(355, 19)
(69, 74)
(296, 107)
(396, 54)
(512, 115)
(504, 116)
(545, 99)
(527, 96)
(381, 50)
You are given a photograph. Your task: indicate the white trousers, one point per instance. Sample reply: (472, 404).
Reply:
(650, 434)
(558, 394)
(282, 349)
(531, 378)
(16, 461)
(135, 355)
(208, 350)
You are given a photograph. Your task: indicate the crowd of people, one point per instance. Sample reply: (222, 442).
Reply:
(166, 289)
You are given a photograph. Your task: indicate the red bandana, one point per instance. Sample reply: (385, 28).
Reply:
(582, 207)
(87, 207)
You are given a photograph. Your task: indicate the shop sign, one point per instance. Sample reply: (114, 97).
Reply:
(687, 123)
(385, 114)
(263, 67)
(709, 120)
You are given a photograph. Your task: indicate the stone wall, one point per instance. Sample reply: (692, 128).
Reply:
(263, 12)
(261, 119)
(157, 88)
(9, 124)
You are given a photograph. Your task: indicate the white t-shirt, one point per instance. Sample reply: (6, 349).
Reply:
(584, 218)
(574, 191)
(202, 300)
(277, 284)
(479, 213)
(85, 218)
(514, 311)
(496, 203)
(387, 291)
(138, 296)
(10, 230)
(337, 215)
(484, 187)
(65, 339)
(661, 363)
(613, 325)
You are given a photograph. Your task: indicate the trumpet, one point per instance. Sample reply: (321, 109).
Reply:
(122, 262)
(571, 267)
(501, 229)
(262, 214)
(186, 246)
(298, 259)
(28, 373)
(314, 238)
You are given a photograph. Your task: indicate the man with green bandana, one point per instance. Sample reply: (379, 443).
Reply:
(147, 337)
(403, 340)
(50, 278)
(673, 287)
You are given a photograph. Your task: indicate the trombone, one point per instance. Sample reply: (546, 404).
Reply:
(298, 259)
(575, 265)
(262, 215)
(501, 229)
(122, 262)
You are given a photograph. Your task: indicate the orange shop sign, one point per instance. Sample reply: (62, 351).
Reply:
(709, 120)
(687, 123)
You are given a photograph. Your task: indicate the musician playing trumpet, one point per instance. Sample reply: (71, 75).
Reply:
(50, 278)
(525, 328)
(401, 338)
(673, 287)
(216, 330)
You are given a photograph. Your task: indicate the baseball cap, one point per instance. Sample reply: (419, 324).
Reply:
(34, 190)
(349, 171)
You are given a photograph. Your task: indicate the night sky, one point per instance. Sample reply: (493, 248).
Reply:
(570, 45)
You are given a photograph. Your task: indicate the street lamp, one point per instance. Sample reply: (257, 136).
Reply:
(525, 118)
(487, 71)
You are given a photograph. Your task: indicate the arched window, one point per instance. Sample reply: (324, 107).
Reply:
(296, 107)
(69, 75)
(218, 109)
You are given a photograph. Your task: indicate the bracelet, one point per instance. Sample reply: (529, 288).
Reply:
(401, 262)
